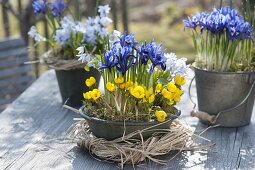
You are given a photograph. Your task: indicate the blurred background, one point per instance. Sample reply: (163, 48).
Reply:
(160, 20)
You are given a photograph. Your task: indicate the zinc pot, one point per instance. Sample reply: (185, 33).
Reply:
(229, 95)
(111, 130)
(72, 84)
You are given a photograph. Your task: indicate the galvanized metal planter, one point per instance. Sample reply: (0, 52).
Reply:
(230, 96)
(72, 84)
(111, 130)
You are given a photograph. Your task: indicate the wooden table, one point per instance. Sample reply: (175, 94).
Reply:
(33, 127)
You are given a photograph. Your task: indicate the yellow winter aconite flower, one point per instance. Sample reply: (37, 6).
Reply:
(128, 85)
(171, 87)
(170, 102)
(87, 95)
(95, 94)
(177, 95)
(110, 87)
(138, 92)
(149, 92)
(179, 80)
(159, 88)
(151, 98)
(89, 82)
(122, 86)
(167, 94)
(119, 80)
(160, 115)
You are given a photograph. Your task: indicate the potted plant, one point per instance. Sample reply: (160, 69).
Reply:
(224, 67)
(142, 86)
(67, 34)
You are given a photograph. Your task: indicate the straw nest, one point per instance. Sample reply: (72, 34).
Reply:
(126, 150)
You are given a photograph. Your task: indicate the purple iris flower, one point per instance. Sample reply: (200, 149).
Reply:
(39, 6)
(58, 8)
(110, 60)
(221, 20)
(128, 41)
(154, 53)
(125, 59)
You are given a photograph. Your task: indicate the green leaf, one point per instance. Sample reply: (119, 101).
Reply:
(98, 56)
(86, 68)
(163, 81)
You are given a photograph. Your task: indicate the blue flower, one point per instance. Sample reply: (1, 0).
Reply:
(224, 20)
(110, 60)
(128, 41)
(153, 52)
(125, 59)
(57, 8)
(39, 6)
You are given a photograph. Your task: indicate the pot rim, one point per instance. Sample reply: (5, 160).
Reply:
(128, 123)
(221, 72)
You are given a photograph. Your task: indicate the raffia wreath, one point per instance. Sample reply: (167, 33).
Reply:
(125, 150)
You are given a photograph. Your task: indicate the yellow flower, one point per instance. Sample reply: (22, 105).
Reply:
(151, 98)
(129, 84)
(179, 80)
(122, 86)
(110, 87)
(138, 92)
(177, 95)
(170, 102)
(149, 92)
(159, 88)
(171, 87)
(167, 94)
(160, 115)
(119, 80)
(87, 95)
(95, 94)
(89, 82)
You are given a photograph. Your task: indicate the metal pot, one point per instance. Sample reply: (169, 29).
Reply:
(72, 84)
(111, 130)
(228, 95)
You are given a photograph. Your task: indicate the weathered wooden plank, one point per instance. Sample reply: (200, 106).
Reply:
(15, 71)
(13, 62)
(15, 52)
(11, 43)
(16, 80)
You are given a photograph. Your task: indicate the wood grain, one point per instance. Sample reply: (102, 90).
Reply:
(33, 127)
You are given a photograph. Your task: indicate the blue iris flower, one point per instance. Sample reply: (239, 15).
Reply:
(127, 40)
(110, 60)
(125, 59)
(221, 20)
(121, 56)
(57, 8)
(154, 53)
(39, 6)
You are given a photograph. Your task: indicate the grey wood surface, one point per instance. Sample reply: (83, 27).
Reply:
(15, 76)
(33, 127)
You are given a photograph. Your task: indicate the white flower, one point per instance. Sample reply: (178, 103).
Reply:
(170, 60)
(81, 50)
(176, 66)
(85, 57)
(105, 21)
(62, 36)
(104, 10)
(68, 23)
(114, 36)
(35, 35)
(80, 27)
(102, 32)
